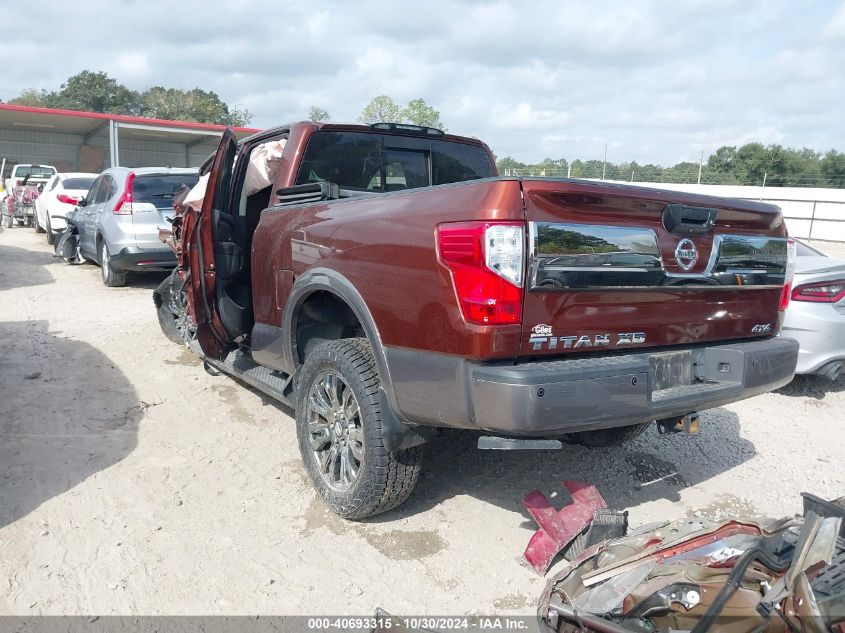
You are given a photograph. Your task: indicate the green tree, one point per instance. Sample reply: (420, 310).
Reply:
(833, 168)
(94, 92)
(198, 105)
(591, 169)
(238, 116)
(382, 109)
(97, 92)
(419, 112)
(752, 163)
(32, 98)
(722, 161)
(163, 103)
(316, 113)
(506, 163)
(682, 172)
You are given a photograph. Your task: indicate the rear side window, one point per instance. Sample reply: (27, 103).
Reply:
(802, 250)
(456, 162)
(78, 183)
(107, 189)
(382, 162)
(159, 189)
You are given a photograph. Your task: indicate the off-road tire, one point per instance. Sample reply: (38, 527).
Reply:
(608, 437)
(51, 238)
(385, 478)
(161, 299)
(112, 277)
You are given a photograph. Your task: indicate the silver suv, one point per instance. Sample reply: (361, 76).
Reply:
(119, 218)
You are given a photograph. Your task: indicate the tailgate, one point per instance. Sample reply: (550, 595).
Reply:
(615, 267)
(152, 204)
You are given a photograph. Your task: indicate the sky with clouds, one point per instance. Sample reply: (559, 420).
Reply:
(657, 81)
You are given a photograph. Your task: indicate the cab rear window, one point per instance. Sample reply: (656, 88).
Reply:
(22, 171)
(381, 162)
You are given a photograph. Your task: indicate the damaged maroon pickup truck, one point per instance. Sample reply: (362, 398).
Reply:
(387, 283)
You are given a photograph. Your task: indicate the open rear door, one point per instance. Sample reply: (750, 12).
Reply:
(211, 333)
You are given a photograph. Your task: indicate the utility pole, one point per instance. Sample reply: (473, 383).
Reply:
(604, 165)
(700, 163)
(569, 171)
(632, 175)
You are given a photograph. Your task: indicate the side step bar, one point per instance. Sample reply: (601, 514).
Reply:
(240, 365)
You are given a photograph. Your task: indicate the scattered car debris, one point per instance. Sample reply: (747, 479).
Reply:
(694, 576)
(574, 527)
(735, 575)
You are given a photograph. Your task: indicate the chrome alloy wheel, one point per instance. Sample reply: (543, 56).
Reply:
(178, 306)
(335, 429)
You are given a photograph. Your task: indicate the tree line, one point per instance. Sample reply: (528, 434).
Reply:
(383, 109)
(749, 164)
(91, 91)
(97, 92)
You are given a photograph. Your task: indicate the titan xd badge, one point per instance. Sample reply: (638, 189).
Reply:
(541, 338)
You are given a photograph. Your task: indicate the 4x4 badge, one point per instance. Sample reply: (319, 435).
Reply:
(686, 254)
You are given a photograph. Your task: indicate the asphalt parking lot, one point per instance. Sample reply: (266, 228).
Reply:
(132, 482)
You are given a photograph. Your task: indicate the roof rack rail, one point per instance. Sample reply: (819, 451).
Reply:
(408, 129)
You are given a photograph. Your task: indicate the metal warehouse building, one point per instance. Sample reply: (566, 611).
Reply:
(91, 141)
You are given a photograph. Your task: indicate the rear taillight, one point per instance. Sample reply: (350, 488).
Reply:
(487, 263)
(124, 204)
(791, 258)
(67, 199)
(820, 292)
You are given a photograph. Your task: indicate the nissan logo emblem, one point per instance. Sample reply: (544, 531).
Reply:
(686, 254)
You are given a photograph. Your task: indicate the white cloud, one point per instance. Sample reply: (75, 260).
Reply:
(526, 117)
(834, 30)
(131, 67)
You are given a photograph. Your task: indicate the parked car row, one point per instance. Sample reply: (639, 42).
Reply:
(117, 213)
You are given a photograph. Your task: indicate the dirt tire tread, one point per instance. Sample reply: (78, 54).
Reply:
(161, 299)
(388, 477)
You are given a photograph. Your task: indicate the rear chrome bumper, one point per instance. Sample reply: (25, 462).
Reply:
(551, 398)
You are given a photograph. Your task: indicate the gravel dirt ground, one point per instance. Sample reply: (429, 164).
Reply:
(132, 482)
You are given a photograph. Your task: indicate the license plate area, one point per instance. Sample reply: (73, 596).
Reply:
(670, 369)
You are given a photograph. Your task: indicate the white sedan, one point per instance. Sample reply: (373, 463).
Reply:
(60, 195)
